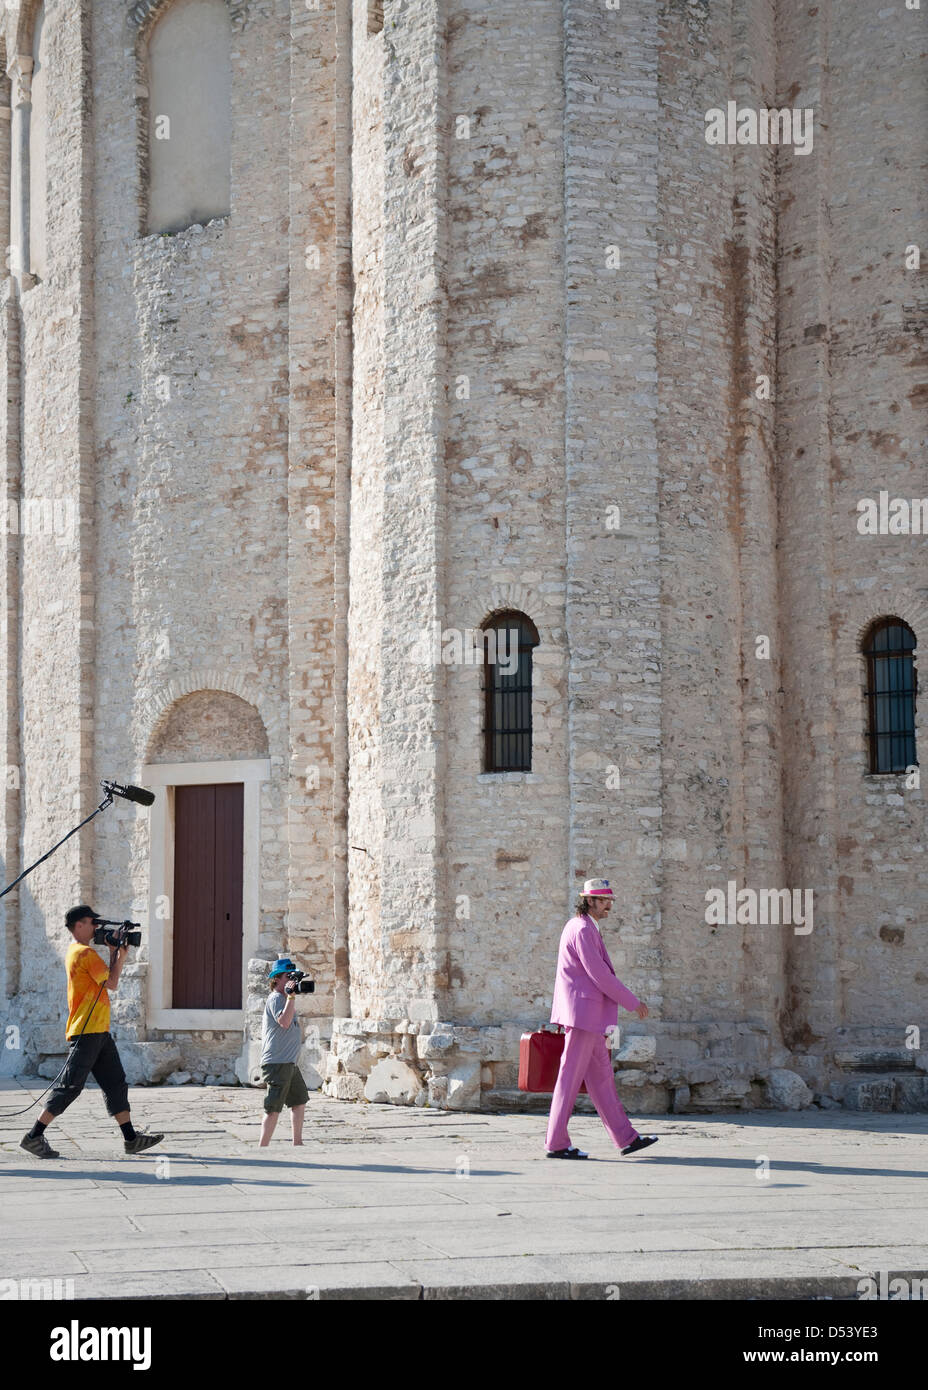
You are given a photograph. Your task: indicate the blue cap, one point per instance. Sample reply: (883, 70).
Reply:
(281, 967)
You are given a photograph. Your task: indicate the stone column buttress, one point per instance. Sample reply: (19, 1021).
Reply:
(315, 772)
(611, 456)
(19, 71)
(9, 583)
(344, 347)
(806, 433)
(10, 819)
(412, 872)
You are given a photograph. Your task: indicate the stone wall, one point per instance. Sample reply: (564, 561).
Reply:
(715, 334)
(180, 373)
(486, 328)
(191, 431)
(366, 613)
(505, 498)
(629, 327)
(49, 600)
(850, 421)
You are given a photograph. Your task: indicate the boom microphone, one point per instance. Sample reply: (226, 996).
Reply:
(139, 794)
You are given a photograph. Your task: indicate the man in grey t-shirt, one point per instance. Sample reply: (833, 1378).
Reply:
(281, 1040)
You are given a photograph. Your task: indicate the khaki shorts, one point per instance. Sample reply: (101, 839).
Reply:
(285, 1086)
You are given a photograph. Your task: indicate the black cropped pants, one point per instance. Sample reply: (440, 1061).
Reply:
(91, 1054)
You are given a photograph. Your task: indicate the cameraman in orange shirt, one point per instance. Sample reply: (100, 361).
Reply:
(91, 1049)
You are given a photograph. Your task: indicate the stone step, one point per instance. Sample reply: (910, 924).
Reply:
(52, 1065)
(888, 1037)
(881, 1059)
(514, 1099)
(908, 1094)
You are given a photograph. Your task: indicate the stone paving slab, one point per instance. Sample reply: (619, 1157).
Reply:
(346, 1281)
(400, 1204)
(173, 1284)
(214, 1256)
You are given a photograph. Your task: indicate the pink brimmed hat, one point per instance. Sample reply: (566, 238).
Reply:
(597, 888)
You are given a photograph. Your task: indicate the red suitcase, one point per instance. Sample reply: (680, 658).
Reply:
(539, 1059)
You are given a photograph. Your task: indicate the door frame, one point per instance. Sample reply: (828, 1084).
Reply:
(163, 778)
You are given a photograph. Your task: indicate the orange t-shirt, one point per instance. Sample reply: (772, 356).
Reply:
(86, 973)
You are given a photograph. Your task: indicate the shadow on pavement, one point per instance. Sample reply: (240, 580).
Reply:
(127, 1175)
(784, 1165)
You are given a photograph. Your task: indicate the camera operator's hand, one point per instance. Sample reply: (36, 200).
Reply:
(290, 987)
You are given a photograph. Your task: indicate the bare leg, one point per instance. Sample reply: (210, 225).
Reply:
(46, 1117)
(296, 1116)
(122, 1117)
(268, 1125)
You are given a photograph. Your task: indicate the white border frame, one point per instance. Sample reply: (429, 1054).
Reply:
(164, 777)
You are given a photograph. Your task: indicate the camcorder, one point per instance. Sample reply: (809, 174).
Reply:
(107, 933)
(302, 985)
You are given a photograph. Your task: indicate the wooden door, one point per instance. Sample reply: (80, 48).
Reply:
(207, 903)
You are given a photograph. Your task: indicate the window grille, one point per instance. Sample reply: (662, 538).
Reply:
(891, 692)
(508, 694)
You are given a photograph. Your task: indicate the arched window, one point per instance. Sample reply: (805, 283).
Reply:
(508, 642)
(891, 690)
(189, 82)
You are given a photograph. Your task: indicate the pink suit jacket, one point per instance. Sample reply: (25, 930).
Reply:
(587, 992)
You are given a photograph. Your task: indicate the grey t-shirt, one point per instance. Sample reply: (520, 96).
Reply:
(279, 1044)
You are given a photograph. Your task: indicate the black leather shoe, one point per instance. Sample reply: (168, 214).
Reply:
(642, 1142)
(565, 1153)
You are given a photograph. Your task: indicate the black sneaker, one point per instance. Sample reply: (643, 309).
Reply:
(642, 1142)
(142, 1142)
(38, 1146)
(565, 1153)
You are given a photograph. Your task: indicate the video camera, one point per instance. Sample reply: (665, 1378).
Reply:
(103, 935)
(303, 986)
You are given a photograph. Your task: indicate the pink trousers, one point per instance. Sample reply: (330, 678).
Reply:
(586, 1058)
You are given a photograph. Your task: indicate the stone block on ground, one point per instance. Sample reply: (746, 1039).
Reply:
(437, 1091)
(51, 1066)
(870, 1095)
(393, 1081)
(911, 1094)
(463, 1091)
(646, 1099)
(720, 1092)
(347, 1086)
(786, 1090)
(148, 1062)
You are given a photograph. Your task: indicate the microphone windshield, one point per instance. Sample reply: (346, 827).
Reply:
(139, 794)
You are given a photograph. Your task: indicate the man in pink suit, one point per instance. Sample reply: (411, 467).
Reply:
(586, 998)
